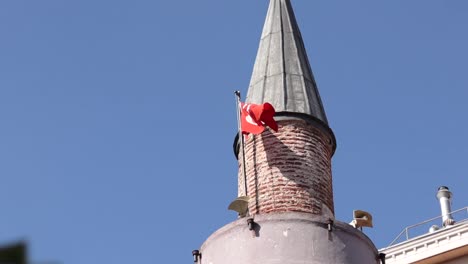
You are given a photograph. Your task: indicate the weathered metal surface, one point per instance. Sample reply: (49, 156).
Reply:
(282, 74)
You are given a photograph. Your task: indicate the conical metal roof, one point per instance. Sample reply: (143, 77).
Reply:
(282, 74)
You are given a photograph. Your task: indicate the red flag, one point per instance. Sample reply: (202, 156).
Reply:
(254, 118)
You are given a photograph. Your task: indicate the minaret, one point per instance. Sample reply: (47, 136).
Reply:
(289, 170)
(289, 181)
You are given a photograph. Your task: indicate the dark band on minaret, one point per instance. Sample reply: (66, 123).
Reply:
(282, 74)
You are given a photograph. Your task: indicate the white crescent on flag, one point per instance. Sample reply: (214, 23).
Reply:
(255, 117)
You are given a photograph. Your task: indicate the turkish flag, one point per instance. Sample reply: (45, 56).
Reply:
(255, 117)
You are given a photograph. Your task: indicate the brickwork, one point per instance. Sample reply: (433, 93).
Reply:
(289, 170)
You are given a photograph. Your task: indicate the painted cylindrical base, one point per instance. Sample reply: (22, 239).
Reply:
(291, 238)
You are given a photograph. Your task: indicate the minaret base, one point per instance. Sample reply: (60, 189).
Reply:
(293, 238)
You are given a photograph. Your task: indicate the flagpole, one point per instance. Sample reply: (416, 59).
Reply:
(241, 138)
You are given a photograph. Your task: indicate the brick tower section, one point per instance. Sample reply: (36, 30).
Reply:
(289, 170)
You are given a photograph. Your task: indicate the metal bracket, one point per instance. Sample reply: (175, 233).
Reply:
(196, 256)
(330, 224)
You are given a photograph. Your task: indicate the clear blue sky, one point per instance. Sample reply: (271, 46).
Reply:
(118, 117)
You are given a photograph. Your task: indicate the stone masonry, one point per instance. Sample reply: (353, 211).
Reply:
(289, 170)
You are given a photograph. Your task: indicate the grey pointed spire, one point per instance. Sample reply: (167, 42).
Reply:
(282, 75)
